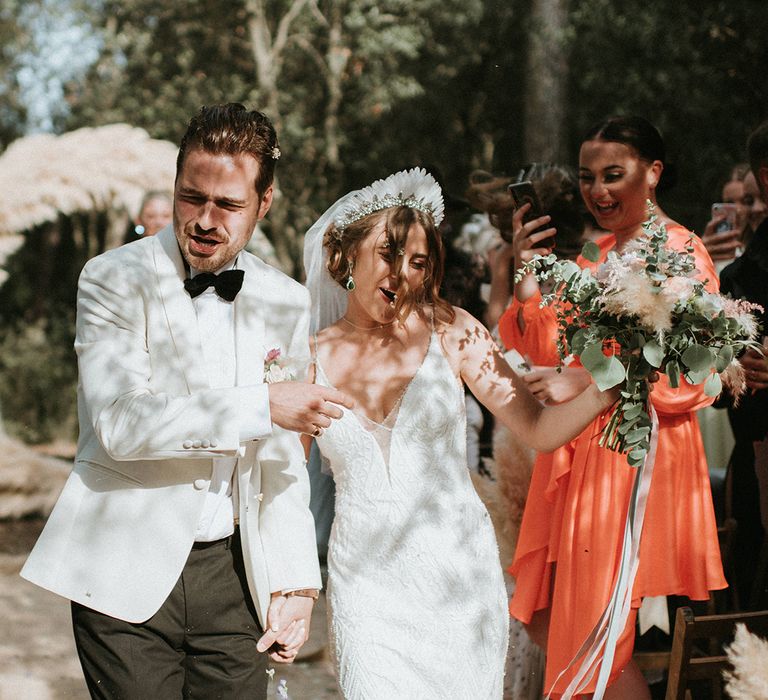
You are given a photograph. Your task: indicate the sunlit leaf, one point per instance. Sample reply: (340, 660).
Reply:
(714, 385)
(697, 358)
(673, 373)
(607, 371)
(653, 353)
(591, 251)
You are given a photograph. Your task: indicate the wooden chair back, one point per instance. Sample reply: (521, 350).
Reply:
(697, 649)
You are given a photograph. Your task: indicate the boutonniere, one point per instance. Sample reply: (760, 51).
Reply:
(277, 368)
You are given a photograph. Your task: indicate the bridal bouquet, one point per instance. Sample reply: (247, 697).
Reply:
(644, 311)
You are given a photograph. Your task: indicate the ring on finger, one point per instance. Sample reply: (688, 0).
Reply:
(318, 431)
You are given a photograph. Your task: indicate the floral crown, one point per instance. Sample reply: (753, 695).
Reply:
(414, 188)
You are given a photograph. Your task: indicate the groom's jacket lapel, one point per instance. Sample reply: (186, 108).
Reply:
(179, 310)
(249, 324)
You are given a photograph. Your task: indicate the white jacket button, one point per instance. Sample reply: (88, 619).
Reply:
(196, 444)
(187, 444)
(260, 497)
(205, 444)
(200, 484)
(214, 443)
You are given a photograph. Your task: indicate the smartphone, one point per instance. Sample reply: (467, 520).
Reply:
(524, 193)
(729, 222)
(517, 362)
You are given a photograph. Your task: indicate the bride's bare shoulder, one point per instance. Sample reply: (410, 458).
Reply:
(464, 329)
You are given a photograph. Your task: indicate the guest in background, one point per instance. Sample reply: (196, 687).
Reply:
(155, 212)
(746, 277)
(755, 205)
(724, 241)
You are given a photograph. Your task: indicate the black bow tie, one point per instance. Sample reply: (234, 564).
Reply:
(227, 284)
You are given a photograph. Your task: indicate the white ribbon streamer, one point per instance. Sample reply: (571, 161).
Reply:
(599, 648)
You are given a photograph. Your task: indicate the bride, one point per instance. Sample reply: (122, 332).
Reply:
(415, 589)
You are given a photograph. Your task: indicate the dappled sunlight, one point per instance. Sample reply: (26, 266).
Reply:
(411, 533)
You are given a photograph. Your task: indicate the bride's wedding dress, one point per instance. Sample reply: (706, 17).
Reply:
(415, 588)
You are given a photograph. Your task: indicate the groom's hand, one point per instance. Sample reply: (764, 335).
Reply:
(288, 622)
(305, 408)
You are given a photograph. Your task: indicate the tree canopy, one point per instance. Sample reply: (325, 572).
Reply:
(360, 88)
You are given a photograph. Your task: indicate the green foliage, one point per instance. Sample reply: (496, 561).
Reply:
(644, 310)
(365, 87)
(695, 68)
(13, 39)
(161, 61)
(38, 380)
(38, 369)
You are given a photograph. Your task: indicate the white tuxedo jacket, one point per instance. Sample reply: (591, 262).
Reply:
(150, 424)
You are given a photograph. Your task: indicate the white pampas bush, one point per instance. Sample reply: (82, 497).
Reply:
(748, 654)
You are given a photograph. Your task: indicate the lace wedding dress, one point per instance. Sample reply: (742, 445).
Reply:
(416, 594)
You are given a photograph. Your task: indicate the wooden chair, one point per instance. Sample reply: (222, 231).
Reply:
(719, 602)
(697, 649)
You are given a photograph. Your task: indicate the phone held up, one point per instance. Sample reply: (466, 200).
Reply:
(729, 210)
(524, 193)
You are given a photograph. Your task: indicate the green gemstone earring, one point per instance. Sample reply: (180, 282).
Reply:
(350, 285)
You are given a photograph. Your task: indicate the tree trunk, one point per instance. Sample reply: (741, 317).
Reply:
(336, 60)
(545, 90)
(267, 50)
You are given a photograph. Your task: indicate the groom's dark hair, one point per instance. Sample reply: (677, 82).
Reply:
(232, 129)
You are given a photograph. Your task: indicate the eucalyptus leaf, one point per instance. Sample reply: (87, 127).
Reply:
(591, 251)
(633, 411)
(606, 370)
(626, 426)
(726, 354)
(714, 385)
(673, 373)
(578, 341)
(569, 269)
(637, 341)
(698, 376)
(697, 358)
(637, 435)
(653, 353)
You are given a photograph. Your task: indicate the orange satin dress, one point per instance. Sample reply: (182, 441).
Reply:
(578, 499)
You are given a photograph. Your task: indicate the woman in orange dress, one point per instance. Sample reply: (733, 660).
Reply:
(570, 543)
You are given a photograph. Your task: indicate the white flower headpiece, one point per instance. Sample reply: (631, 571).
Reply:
(414, 188)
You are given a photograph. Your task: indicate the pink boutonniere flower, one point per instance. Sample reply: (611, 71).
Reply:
(277, 368)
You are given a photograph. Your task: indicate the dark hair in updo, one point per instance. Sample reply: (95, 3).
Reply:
(342, 246)
(232, 129)
(640, 135)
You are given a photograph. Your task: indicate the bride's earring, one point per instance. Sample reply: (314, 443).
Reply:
(350, 285)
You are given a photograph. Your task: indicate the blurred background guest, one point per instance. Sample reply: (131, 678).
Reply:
(724, 233)
(748, 468)
(155, 212)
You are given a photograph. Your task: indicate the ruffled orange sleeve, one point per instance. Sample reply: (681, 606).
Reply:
(538, 342)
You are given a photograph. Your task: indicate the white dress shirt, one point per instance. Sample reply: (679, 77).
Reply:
(216, 323)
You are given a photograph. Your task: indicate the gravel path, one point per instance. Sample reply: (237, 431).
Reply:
(37, 653)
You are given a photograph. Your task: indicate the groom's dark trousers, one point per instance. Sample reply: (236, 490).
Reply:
(201, 644)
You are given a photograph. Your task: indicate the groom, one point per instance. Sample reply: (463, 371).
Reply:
(183, 536)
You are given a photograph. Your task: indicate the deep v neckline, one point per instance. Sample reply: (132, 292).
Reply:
(401, 397)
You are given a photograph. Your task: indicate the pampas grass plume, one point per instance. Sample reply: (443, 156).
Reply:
(748, 654)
